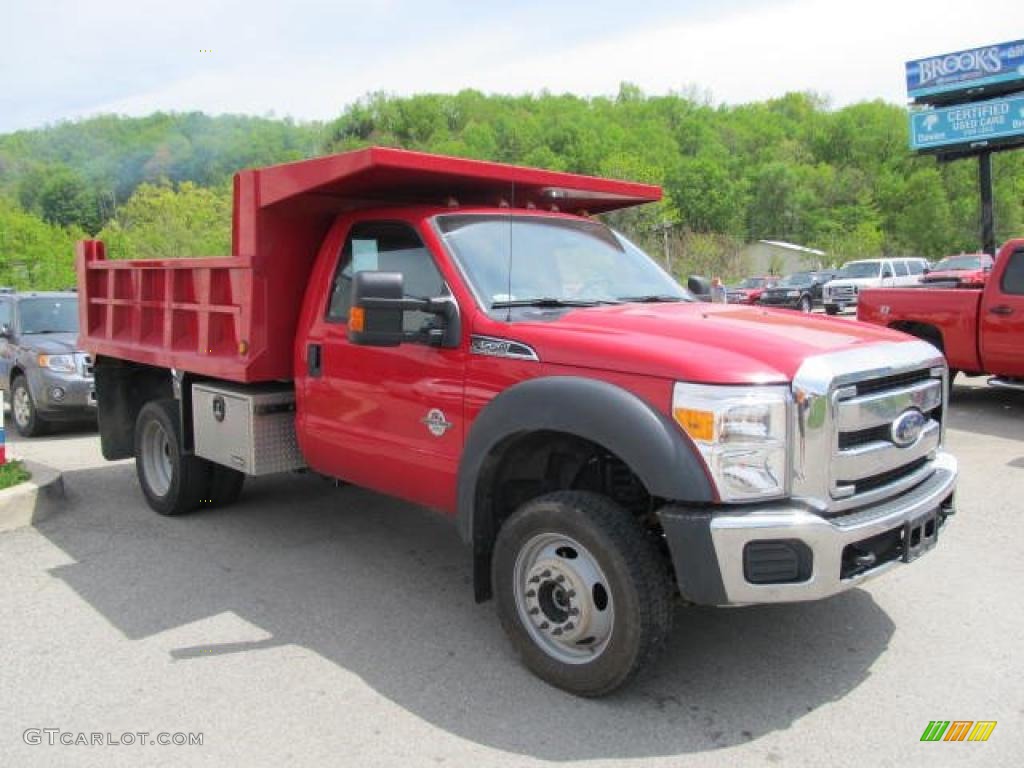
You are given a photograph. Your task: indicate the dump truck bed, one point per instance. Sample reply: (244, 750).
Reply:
(234, 317)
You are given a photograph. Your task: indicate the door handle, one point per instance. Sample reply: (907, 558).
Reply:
(314, 360)
(1001, 309)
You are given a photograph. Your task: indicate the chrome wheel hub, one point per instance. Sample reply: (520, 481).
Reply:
(22, 407)
(156, 458)
(563, 598)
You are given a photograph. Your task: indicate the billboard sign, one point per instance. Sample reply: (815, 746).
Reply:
(987, 70)
(981, 123)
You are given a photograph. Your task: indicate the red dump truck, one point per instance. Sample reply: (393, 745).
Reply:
(980, 330)
(466, 336)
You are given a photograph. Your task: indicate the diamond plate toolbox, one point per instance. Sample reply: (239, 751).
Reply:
(249, 428)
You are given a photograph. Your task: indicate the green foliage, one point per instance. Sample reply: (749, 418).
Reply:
(163, 221)
(789, 168)
(13, 473)
(33, 253)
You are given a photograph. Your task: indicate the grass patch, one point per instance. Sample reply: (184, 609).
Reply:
(12, 473)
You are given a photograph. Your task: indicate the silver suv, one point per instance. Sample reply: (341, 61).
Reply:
(43, 374)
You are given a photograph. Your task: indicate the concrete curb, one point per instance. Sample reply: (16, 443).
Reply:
(34, 500)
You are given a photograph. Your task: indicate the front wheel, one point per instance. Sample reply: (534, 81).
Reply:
(805, 303)
(23, 409)
(831, 309)
(582, 590)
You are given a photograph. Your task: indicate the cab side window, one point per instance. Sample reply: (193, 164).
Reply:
(1013, 277)
(916, 267)
(901, 268)
(386, 246)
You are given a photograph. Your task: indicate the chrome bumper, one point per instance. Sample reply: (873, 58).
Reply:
(826, 538)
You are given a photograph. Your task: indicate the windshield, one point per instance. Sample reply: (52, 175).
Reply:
(552, 261)
(860, 269)
(56, 315)
(753, 282)
(796, 280)
(959, 263)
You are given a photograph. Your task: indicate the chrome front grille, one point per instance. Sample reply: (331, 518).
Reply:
(843, 293)
(846, 453)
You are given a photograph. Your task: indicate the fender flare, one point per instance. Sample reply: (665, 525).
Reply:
(649, 442)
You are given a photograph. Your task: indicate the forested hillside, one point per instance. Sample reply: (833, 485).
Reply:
(790, 169)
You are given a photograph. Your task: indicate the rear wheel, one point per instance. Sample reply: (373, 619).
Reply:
(582, 591)
(23, 408)
(172, 481)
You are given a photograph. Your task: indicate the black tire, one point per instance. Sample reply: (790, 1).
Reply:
(225, 485)
(186, 483)
(831, 309)
(32, 424)
(638, 583)
(805, 304)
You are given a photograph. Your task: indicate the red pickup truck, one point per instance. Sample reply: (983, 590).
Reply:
(979, 330)
(464, 335)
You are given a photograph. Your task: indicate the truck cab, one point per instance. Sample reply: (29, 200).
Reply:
(469, 337)
(979, 328)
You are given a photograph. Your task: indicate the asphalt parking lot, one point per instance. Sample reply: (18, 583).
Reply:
(316, 625)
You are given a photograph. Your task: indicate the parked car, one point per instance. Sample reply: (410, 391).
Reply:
(964, 271)
(980, 330)
(601, 441)
(801, 290)
(749, 290)
(44, 374)
(870, 273)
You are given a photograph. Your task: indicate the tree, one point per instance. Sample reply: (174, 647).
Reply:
(163, 221)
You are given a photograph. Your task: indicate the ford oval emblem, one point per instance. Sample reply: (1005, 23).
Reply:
(908, 427)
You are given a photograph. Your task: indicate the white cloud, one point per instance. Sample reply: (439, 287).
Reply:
(309, 66)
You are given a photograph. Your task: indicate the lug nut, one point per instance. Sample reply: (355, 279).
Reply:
(546, 575)
(544, 625)
(569, 625)
(557, 631)
(574, 611)
(559, 578)
(572, 593)
(534, 611)
(535, 579)
(531, 593)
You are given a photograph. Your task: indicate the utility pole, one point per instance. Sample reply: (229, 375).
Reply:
(988, 228)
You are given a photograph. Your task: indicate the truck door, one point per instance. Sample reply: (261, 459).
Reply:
(1002, 318)
(387, 418)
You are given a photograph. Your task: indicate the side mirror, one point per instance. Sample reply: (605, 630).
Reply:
(699, 286)
(925, 271)
(887, 274)
(6, 332)
(378, 307)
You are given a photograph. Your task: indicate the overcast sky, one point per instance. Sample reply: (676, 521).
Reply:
(63, 59)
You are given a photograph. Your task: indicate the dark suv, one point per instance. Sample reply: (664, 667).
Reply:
(801, 290)
(42, 372)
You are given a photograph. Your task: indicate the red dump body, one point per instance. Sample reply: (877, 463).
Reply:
(235, 317)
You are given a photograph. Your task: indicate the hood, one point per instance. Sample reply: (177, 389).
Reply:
(956, 275)
(707, 343)
(51, 343)
(870, 281)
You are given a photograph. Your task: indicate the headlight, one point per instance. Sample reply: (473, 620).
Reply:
(741, 433)
(59, 363)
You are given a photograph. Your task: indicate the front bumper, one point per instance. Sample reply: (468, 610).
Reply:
(711, 549)
(78, 398)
